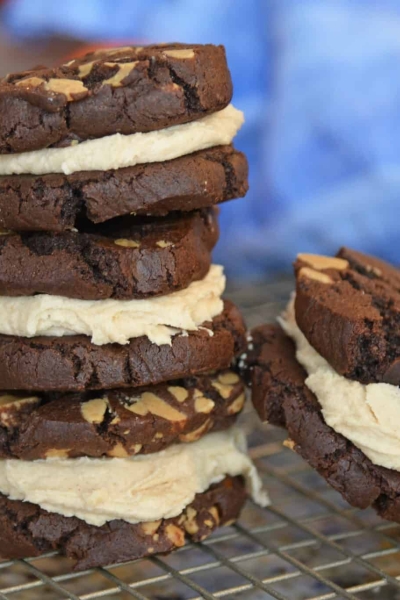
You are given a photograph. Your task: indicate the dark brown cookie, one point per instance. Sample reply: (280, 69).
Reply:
(281, 397)
(124, 90)
(349, 310)
(123, 259)
(73, 363)
(27, 530)
(118, 422)
(56, 202)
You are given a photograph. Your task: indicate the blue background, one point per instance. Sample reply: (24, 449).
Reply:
(319, 81)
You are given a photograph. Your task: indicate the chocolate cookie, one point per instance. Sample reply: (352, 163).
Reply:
(125, 90)
(281, 397)
(123, 259)
(73, 363)
(57, 202)
(118, 422)
(27, 530)
(348, 308)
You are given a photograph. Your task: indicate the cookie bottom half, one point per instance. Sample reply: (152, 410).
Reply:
(28, 530)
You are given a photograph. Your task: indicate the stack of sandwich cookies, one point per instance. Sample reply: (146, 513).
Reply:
(116, 99)
(117, 436)
(329, 374)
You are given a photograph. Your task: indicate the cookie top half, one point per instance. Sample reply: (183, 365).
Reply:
(120, 90)
(348, 308)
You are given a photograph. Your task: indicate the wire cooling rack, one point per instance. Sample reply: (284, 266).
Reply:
(309, 544)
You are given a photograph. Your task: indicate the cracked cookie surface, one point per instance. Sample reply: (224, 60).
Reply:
(125, 90)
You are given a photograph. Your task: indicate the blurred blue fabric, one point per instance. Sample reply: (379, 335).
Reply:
(320, 85)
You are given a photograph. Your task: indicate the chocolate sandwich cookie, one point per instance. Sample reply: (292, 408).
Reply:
(27, 530)
(118, 422)
(123, 259)
(348, 309)
(281, 397)
(73, 363)
(57, 202)
(125, 90)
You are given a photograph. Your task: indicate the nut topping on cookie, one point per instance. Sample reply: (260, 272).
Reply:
(180, 393)
(307, 273)
(71, 88)
(93, 411)
(124, 70)
(320, 263)
(175, 535)
(150, 403)
(179, 53)
(127, 243)
(203, 404)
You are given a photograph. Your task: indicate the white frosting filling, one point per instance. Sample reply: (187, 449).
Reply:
(136, 489)
(117, 151)
(367, 415)
(116, 321)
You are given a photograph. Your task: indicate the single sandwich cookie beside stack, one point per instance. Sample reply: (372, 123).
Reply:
(328, 372)
(119, 396)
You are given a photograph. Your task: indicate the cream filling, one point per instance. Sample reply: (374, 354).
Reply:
(367, 415)
(117, 151)
(136, 489)
(116, 321)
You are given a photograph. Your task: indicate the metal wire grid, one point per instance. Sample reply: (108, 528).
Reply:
(309, 544)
